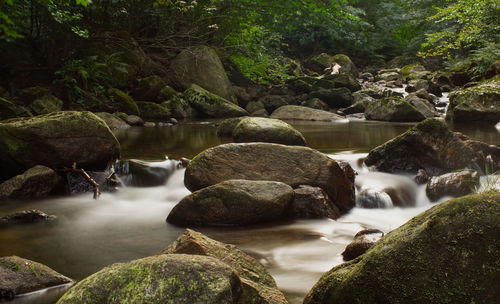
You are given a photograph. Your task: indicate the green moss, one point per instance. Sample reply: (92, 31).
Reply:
(122, 102)
(151, 110)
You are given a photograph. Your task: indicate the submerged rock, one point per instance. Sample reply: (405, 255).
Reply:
(447, 254)
(452, 184)
(392, 109)
(211, 104)
(304, 113)
(18, 276)
(257, 283)
(363, 240)
(28, 216)
(312, 203)
(166, 278)
(37, 182)
(292, 165)
(258, 129)
(233, 202)
(56, 140)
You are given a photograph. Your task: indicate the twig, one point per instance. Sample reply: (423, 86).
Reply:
(87, 177)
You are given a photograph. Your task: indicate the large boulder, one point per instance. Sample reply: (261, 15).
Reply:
(312, 202)
(477, 103)
(422, 105)
(154, 111)
(180, 108)
(122, 102)
(18, 276)
(36, 182)
(211, 104)
(347, 66)
(448, 254)
(452, 184)
(392, 109)
(335, 98)
(233, 202)
(202, 66)
(56, 140)
(166, 278)
(319, 63)
(256, 282)
(259, 129)
(272, 102)
(304, 113)
(292, 165)
(431, 146)
(344, 81)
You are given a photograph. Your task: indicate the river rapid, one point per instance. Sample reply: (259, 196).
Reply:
(129, 224)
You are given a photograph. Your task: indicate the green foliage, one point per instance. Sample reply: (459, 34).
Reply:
(478, 61)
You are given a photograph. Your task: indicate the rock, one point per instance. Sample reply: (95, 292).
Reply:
(211, 104)
(392, 109)
(166, 93)
(335, 98)
(344, 81)
(493, 70)
(7, 109)
(254, 106)
(149, 88)
(347, 66)
(422, 105)
(319, 62)
(292, 165)
(373, 199)
(202, 66)
(113, 122)
(304, 113)
(19, 276)
(421, 177)
(454, 244)
(154, 111)
(315, 103)
(255, 280)
(258, 129)
(477, 103)
(360, 101)
(411, 69)
(122, 102)
(363, 240)
(260, 113)
(226, 127)
(272, 102)
(242, 96)
(180, 108)
(137, 173)
(132, 120)
(299, 85)
(389, 75)
(233, 202)
(367, 76)
(374, 90)
(312, 203)
(452, 184)
(28, 216)
(431, 146)
(46, 104)
(56, 140)
(166, 278)
(37, 182)
(4, 93)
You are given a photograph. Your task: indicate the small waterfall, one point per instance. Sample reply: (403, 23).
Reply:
(138, 173)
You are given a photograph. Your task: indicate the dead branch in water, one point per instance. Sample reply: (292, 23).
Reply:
(87, 177)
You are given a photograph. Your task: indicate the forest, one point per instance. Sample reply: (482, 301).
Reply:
(249, 151)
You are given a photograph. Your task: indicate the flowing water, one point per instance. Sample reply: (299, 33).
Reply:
(90, 234)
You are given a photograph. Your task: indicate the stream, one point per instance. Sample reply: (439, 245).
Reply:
(130, 224)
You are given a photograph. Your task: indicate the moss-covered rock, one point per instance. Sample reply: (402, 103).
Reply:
(202, 66)
(256, 281)
(211, 104)
(114, 122)
(422, 105)
(254, 106)
(122, 102)
(259, 129)
(233, 202)
(292, 165)
(167, 278)
(166, 93)
(56, 140)
(180, 108)
(154, 111)
(37, 182)
(411, 68)
(149, 88)
(392, 109)
(430, 145)
(315, 103)
(477, 103)
(131, 120)
(335, 98)
(299, 85)
(344, 81)
(272, 102)
(448, 254)
(18, 276)
(347, 66)
(319, 63)
(46, 104)
(304, 113)
(226, 127)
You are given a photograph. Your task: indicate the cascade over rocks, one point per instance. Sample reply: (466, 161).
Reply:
(56, 140)
(258, 129)
(431, 146)
(447, 254)
(202, 66)
(292, 165)
(256, 282)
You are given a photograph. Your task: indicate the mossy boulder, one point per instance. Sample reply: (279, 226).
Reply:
(166, 278)
(452, 184)
(447, 254)
(347, 66)
(344, 80)
(166, 93)
(202, 66)
(210, 104)
(299, 85)
(254, 106)
(477, 103)
(149, 88)
(319, 63)
(56, 140)
(292, 165)
(430, 145)
(131, 120)
(233, 202)
(422, 105)
(335, 98)
(272, 102)
(36, 182)
(27, 217)
(180, 107)
(392, 109)
(113, 121)
(154, 111)
(304, 113)
(122, 102)
(226, 127)
(19, 276)
(255, 280)
(259, 129)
